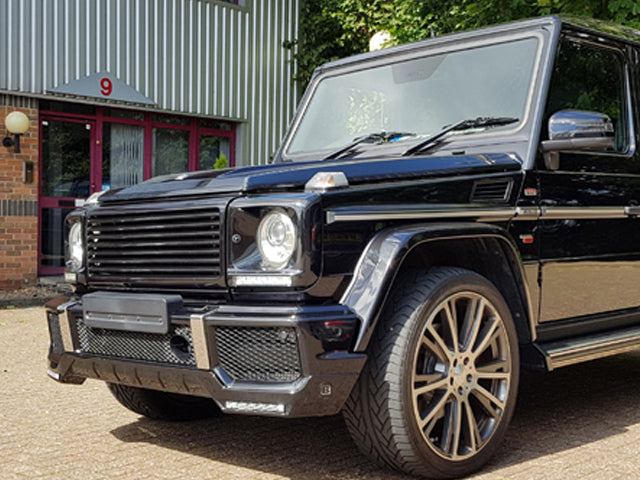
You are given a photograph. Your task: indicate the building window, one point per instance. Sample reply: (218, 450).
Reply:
(170, 151)
(213, 149)
(137, 145)
(122, 155)
(86, 149)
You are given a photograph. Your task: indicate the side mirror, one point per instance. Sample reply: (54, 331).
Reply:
(576, 130)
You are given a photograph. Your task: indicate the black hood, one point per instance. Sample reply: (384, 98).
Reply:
(294, 176)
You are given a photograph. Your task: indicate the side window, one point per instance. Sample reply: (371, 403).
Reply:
(589, 77)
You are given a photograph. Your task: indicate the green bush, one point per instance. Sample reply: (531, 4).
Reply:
(332, 29)
(221, 162)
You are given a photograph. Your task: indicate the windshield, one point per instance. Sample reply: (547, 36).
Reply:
(421, 95)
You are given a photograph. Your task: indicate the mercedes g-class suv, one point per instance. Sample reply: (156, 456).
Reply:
(440, 215)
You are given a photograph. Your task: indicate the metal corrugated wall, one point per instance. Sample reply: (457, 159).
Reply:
(188, 56)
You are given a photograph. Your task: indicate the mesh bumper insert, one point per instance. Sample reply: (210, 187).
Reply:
(249, 354)
(175, 347)
(259, 354)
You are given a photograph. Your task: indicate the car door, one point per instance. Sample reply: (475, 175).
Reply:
(588, 236)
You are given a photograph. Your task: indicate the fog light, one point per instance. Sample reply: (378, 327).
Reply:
(70, 277)
(250, 407)
(261, 281)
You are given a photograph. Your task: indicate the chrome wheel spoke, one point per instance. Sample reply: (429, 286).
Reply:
(452, 429)
(442, 346)
(439, 350)
(494, 366)
(491, 404)
(495, 370)
(472, 425)
(427, 377)
(493, 331)
(472, 322)
(450, 314)
(435, 413)
(428, 432)
(493, 376)
(431, 387)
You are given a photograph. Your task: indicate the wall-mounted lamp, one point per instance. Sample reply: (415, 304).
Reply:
(380, 40)
(17, 124)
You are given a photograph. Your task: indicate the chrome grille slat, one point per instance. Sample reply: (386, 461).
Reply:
(145, 232)
(159, 270)
(141, 253)
(153, 215)
(151, 229)
(164, 261)
(176, 243)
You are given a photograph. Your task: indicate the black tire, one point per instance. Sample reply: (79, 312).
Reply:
(427, 411)
(163, 405)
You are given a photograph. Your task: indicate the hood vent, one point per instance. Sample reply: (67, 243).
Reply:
(492, 191)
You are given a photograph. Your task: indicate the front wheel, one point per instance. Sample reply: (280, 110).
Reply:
(439, 388)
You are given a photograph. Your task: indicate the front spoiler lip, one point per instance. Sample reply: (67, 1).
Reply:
(326, 382)
(303, 398)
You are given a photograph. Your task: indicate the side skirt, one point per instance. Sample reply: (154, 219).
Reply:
(561, 353)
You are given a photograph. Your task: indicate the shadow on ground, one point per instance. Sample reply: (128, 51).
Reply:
(558, 411)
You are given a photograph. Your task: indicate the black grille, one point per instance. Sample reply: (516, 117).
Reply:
(175, 347)
(178, 245)
(492, 190)
(259, 354)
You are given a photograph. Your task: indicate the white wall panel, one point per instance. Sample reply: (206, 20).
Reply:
(195, 57)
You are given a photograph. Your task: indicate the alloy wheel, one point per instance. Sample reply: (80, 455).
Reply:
(461, 376)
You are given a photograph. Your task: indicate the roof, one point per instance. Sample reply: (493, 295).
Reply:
(609, 29)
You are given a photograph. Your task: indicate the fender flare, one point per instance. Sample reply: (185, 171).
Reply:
(384, 256)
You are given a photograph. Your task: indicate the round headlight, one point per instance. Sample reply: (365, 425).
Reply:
(276, 239)
(76, 247)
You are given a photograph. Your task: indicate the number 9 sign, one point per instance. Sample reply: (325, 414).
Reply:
(106, 87)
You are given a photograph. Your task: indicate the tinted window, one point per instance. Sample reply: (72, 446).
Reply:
(170, 151)
(421, 95)
(588, 77)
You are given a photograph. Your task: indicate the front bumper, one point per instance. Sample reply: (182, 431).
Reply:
(256, 360)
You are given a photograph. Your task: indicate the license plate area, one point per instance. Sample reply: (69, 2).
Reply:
(136, 313)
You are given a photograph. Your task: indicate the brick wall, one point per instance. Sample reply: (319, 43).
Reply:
(18, 206)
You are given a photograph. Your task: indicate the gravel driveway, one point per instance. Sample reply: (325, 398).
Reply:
(577, 423)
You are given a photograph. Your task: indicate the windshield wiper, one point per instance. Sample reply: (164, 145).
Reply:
(381, 137)
(462, 125)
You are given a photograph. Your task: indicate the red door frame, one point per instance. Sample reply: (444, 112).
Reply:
(55, 202)
(97, 120)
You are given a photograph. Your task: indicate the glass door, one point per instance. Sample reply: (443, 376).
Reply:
(69, 174)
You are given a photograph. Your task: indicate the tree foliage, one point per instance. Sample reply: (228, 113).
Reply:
(332, 29)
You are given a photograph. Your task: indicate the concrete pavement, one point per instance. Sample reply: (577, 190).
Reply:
(580, 422)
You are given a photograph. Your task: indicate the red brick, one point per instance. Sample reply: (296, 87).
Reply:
(19, 235)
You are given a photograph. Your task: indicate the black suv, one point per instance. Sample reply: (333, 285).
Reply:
(439, 216)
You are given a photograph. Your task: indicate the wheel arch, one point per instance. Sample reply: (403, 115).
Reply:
(483, 248)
